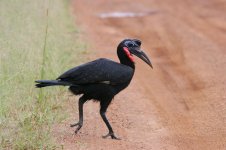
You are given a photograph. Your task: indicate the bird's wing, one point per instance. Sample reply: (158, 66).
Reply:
(98, 71)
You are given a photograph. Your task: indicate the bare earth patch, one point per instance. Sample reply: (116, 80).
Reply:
(180, 104)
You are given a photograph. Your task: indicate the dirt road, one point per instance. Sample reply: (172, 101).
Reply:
(181, 103)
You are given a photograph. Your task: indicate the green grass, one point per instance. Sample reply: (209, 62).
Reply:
(33, 45)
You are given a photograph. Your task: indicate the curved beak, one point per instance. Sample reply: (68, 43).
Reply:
(139, 53)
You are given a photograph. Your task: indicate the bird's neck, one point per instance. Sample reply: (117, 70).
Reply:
(127, 62)
(124, 59)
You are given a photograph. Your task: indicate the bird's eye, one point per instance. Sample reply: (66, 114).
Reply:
(131, 44)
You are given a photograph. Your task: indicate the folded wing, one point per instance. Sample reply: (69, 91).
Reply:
(98, 71)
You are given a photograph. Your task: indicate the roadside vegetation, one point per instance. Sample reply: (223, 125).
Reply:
(38, 40)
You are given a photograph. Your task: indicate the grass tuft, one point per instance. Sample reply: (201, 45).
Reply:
(38, 40)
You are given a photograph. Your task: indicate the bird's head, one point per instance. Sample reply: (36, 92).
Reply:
(129, 47)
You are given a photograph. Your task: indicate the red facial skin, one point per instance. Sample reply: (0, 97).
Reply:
(128, 54)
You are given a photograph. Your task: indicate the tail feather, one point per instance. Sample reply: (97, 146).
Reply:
(44, 83)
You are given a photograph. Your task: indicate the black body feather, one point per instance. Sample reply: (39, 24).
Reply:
(44, 83)
(98, 71)
(100, 79)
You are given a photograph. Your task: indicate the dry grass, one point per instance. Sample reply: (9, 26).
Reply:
(33, 45)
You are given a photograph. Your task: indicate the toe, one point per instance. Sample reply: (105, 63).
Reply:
(114, 137)
(78, 128)
(105, 136)
(75, 124)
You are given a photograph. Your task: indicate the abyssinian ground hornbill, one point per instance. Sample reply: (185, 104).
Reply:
(101, 79)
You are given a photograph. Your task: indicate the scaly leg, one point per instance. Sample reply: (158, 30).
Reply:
(82, 100)
(104, 105)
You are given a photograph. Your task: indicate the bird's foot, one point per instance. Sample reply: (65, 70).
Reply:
(78, 128)
(75, 124)
(112, 136)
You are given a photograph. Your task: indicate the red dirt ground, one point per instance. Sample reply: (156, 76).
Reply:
(181, 103)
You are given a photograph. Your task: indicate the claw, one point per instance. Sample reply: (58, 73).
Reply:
(78, 128)
(76, 124)
(112, 136)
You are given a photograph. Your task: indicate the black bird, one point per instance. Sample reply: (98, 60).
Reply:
(101, 79)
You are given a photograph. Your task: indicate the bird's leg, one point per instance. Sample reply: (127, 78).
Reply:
(103, 109)
(82, 100)
(111, 133)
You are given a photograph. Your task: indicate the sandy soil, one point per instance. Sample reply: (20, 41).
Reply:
(181, 103)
